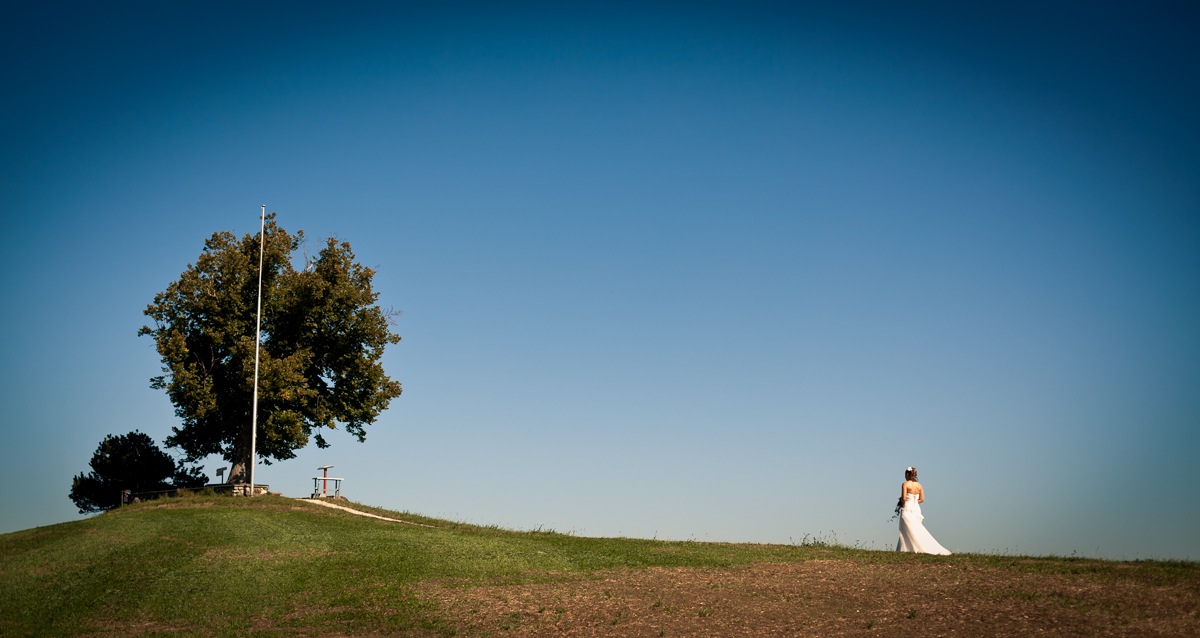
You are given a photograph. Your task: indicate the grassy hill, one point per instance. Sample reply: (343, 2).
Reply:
(210, 565)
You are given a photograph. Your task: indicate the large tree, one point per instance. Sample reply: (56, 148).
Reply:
(319, 363)
(129, 462)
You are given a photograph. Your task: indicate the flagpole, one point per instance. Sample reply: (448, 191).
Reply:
(262, 225)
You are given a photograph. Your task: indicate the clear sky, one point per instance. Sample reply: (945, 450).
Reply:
(692, 271)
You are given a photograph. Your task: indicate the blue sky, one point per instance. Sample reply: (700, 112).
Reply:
(715, 272)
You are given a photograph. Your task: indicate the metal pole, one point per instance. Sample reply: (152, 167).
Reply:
(324, 480)
(262, 226)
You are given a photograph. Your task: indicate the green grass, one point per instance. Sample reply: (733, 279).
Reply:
(214, 565)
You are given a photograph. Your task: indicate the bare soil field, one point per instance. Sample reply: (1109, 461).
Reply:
(834, 597)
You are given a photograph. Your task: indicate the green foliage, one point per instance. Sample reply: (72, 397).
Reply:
(322, 338)
(128, 462)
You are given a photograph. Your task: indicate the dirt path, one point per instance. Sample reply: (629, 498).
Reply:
(325, 503)
(825, 598)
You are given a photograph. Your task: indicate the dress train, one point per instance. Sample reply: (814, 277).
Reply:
(913, 535)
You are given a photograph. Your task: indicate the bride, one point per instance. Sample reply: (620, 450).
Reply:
(913, 535)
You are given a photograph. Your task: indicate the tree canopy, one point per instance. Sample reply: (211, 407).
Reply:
(319, 365)
(129, 462)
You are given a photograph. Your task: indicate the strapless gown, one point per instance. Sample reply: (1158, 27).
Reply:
(913, 535)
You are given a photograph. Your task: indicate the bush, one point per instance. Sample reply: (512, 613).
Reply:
(129, 463)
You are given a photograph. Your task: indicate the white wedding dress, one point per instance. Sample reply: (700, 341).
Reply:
(913, 535)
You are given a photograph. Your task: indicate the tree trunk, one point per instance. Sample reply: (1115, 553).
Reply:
(238, 473)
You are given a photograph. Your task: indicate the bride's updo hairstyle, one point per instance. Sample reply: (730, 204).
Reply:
(910, 474)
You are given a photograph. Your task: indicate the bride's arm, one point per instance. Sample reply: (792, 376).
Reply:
(920, 495)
